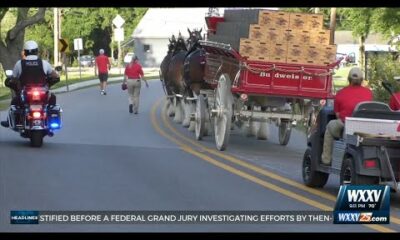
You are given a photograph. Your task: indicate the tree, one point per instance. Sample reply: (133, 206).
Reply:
(95, 25)
(43, 33)
(359, 20)
(387, 21)
(383, 67)
(12, 45)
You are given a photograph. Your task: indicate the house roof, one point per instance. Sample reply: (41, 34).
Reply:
(163, 22)
(346, 37)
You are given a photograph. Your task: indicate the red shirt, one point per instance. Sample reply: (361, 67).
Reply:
(393, 104)
(102, 63)
(348, 98)
(134, 71)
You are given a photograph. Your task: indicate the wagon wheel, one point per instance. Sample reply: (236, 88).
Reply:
(223, 116)
(284, 132)
(200, 117)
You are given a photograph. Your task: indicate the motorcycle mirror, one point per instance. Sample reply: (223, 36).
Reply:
(9, 73)
(58, 68)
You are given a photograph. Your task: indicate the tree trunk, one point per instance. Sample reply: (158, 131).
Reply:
(333, 25)
(362, 53)
(11, 47)
(8, 57)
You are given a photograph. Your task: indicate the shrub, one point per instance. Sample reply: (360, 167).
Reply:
(380, 68)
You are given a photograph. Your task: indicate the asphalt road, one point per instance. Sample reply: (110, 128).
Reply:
(105, 159)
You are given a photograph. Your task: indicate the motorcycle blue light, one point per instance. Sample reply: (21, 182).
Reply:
(54, 125)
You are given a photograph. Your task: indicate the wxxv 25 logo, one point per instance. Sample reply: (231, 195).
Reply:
(360, 204)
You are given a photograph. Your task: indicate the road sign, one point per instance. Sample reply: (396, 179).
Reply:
(119, 34)
(63, 45)
(78, 44)
(118, 21)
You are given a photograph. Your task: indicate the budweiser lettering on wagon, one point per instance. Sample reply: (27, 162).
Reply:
(285, 76)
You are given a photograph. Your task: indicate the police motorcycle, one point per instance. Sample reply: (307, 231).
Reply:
(36, 115)
(368, 152)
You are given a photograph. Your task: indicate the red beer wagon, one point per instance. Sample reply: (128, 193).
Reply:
(247, 92)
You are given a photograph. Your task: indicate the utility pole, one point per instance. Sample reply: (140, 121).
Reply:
(119, 56)
(56, 35)
(333, 25)
(112, 43)
(118, 21)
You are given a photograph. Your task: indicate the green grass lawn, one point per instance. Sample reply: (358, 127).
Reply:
(340, 77)
(4, 93)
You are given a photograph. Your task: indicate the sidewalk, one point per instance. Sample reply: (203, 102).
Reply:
(150, 73)
(84, 84)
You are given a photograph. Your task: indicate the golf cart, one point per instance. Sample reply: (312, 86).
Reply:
(368, 153)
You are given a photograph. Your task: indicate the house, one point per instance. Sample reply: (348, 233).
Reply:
(347, 44)
(157, 26)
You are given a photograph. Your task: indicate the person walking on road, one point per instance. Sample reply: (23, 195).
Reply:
(103, 66)
(132, 77)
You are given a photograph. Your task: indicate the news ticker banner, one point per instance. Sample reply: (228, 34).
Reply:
(362, 204)
(356, 204)
(171, 217)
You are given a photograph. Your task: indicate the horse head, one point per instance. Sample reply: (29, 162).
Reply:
(173, 39)
(194, 37)
(180, 43)
(172, 44)
(171, 47)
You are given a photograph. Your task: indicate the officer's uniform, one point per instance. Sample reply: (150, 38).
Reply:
(47, 69)
(31, 70)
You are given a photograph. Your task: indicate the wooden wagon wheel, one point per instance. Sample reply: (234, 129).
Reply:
(200, 117)
(285, 129)
(223, 109)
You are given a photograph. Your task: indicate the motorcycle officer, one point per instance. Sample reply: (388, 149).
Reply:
(31, 70)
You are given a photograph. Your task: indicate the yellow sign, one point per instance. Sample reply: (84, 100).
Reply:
(63, 45)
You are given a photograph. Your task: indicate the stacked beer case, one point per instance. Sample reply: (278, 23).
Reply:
(236, 25)
(277, 36)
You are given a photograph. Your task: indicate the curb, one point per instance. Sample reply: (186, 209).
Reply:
(81, 85)
(84, 84)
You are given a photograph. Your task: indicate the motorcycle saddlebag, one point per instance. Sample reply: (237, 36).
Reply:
(54, 117)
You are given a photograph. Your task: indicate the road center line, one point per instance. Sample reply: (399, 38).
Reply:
(257, 169)
(245, 175)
